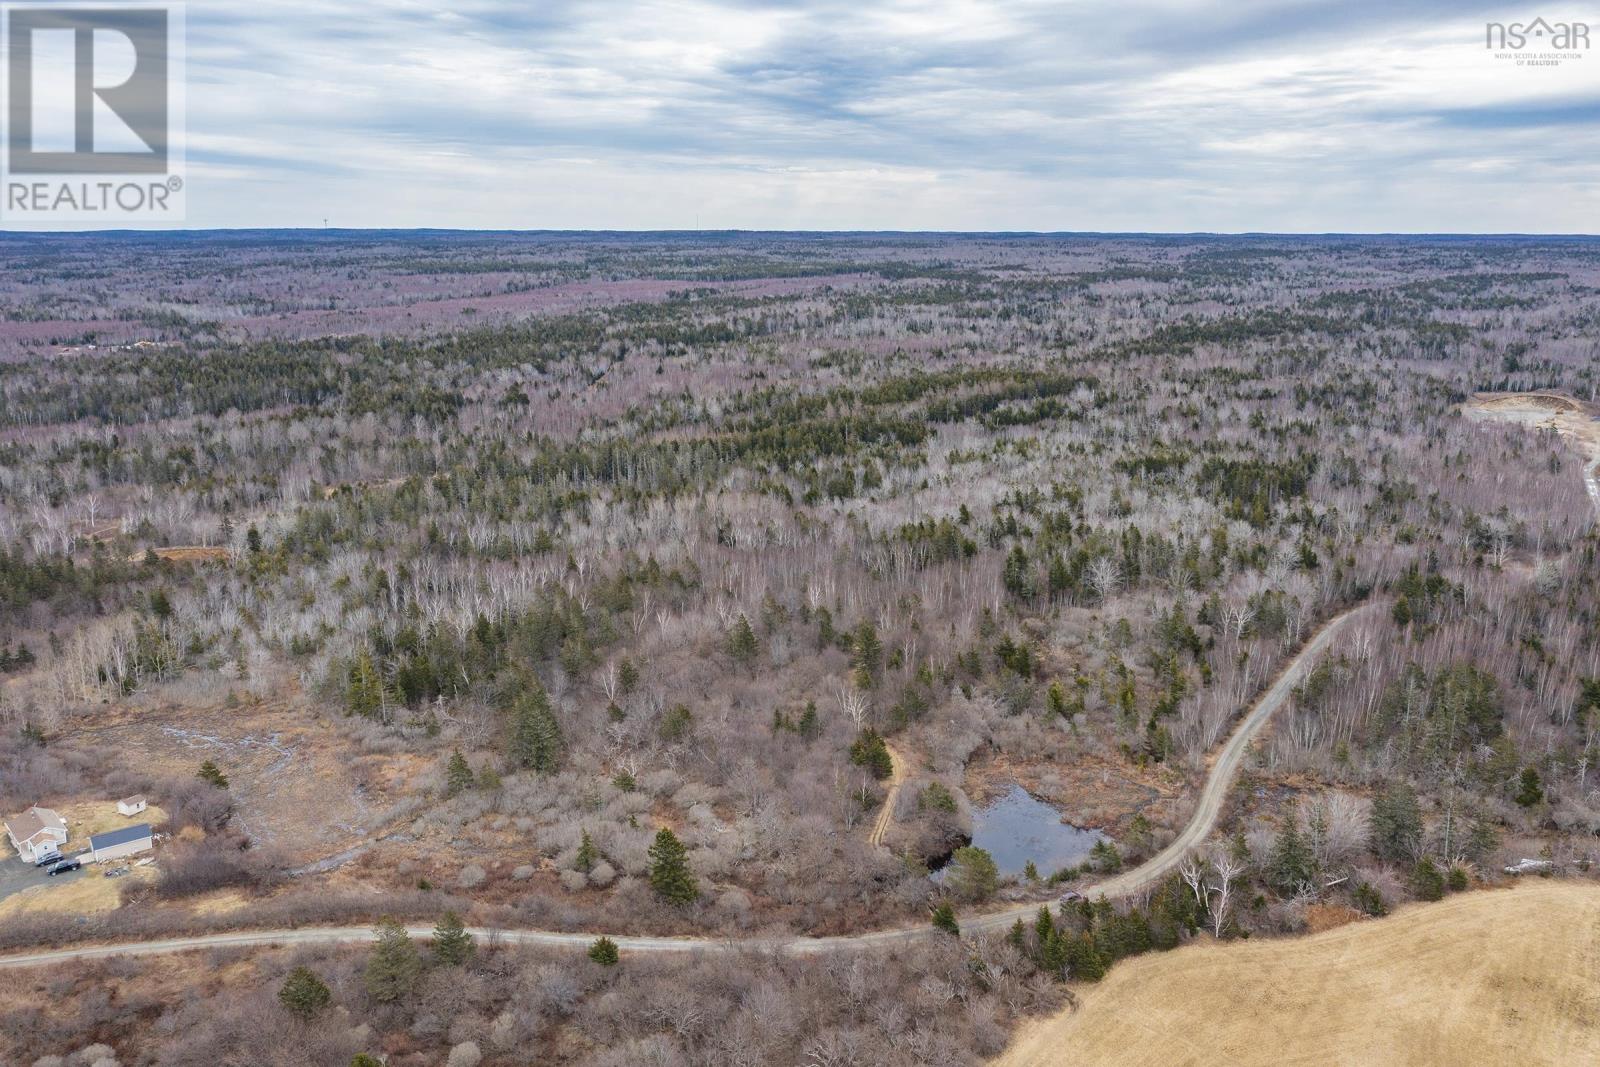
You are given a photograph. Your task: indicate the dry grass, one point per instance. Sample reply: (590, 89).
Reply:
(295, 781)
(185, 553)
(90, 893)
(221, 902)
(89, 817)
(1482, 978)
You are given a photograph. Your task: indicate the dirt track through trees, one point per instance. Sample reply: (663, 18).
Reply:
(897, 778)
(1220, 778)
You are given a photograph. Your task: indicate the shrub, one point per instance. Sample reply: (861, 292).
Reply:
(303, 994)
(972, 874)
(1367, 899)
(604, 952)
(1426, 881)
(187, 869)
(937, 798)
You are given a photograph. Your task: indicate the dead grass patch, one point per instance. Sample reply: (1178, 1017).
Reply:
(1490, 977)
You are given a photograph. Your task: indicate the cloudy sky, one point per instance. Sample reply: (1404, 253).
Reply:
(865, 114)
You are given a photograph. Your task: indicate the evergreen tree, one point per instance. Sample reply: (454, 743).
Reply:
(588, 855)
(870, 751)
(944, 918)
(1367, 899)
(361, 1059)
(457, 774)
(303, 994)
(627, 676)
(452, 945)
(604, 952)
(1084, 962)
(364, 690)
(866, 652)
(972, 874)
(1426, 880)
(809, 726)
(1483, 840)
(1017, 575)
(742, 643)
(210, 772)
(394, 966)
(1290, 866)
(670, 875)
(1529, 791)
(1394, 830)
(536, 736)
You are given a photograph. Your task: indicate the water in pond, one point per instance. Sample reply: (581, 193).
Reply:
(1016, 827)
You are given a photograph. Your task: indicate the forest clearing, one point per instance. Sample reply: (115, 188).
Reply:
(1510, 976)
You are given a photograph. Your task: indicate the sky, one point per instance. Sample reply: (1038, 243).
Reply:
(1250, 115)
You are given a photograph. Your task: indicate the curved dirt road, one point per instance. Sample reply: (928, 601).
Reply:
(1225, 766)
(1219, 779)
(897, 778)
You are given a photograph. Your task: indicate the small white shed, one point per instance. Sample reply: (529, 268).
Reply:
(131, 805)
(114, 844)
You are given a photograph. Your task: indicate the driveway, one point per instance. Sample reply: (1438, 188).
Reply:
(15, 876)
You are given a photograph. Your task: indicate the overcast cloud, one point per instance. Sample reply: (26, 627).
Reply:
(824, 114)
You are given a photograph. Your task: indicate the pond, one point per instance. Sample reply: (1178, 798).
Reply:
(1017, 827)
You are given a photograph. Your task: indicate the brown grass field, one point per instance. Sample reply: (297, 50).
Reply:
(1492, 977)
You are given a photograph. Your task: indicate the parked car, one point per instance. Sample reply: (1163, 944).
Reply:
(45, 860)
(1071, 897)
(71, 864)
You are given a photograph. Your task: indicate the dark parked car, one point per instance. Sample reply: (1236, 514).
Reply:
(47, 858)
(65, 865)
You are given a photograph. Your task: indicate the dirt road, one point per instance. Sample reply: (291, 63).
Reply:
(897, 778)
(1224, 767)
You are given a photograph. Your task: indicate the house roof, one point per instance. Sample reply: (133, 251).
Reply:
(120, 836)
(31, 823)
(137, 798)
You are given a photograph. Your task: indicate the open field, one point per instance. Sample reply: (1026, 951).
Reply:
(91, 893)
(294, 784)
(1482, 978)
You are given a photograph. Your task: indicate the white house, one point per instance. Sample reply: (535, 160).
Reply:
(114, 844)
(131, 805)
(36, 832)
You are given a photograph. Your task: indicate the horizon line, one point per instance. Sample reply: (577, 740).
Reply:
(6, 233)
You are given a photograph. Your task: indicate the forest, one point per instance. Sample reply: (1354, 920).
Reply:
(714, 585)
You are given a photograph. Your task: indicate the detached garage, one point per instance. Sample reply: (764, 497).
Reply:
(114, 844)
